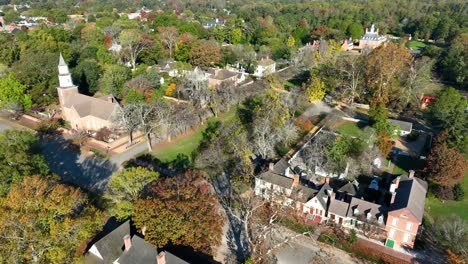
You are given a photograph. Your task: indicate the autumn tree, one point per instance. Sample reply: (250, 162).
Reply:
(20, 155)
(45, 221)
(445, 166)
(384, 66)
(352, 69)
(113, 79)
(169, 37)
(134, 42)
(315, 91)
(205, 54)
(125, 187)
(125, 118)
(180, 210)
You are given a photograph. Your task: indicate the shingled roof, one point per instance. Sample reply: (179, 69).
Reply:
(110, 246)
(364, 207)
(276, 179)
(338, 207)
(222, 74)
(404, 126)
(411, 194)
(90, 106)
(322, 195)
(140, 252)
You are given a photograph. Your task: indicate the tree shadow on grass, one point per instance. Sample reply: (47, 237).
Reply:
(65, 160)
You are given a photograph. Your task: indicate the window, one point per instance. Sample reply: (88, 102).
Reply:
(406, 238)
(409, 225)
(392, 233)
(394, 221)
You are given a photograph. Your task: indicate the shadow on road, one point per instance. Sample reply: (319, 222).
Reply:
(65, 159)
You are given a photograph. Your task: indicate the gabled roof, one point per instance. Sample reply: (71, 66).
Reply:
(364, 207)
(110, 246)
(90, 106)
(140, 252)
(349, 188)
(171, 259)
(281, 166)
(404, 126)
(276, 179)
(322, 195)
(338, 207)
(411, 194)
(222, 74)
(266, 62)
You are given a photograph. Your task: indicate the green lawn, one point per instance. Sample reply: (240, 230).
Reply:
(352, 129)
(186, 145)
(435, 207)
(406, 163)
(415, 45)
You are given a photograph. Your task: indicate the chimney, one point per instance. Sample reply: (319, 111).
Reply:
(271, 166)
(143, 230)
(161, 258)
(392, 200)
(295, 181)
(128, 242)
(367, 30)
(327, 180)
(411, 174)
(397, 182)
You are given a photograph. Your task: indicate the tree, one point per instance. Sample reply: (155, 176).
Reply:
(20, 155)
(180, 210)
(113, 79)
(86, 76)
(45, 221)
(205, 54)
(134, 97)
(13, 92)
(169, 37)
(384, 66)
(452, 233)
(316, 90)
(134, 42)
(355, 30)
(453, 62)
(125, 187)
(125, 118)
(445, 166)
(448, 112)
(418, 77)
(352, 68)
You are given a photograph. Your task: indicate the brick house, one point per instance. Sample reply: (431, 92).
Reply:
(83, 112)
(371, 39)
(218, 77)
(265, 66)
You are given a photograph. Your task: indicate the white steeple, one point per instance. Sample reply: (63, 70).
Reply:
(65, 79)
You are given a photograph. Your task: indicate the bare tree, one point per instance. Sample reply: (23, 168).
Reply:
(418, 77)
(314, 153)
(169, 37)
(352, 68)
(194, 86)
(134, 42)
(145, 116)
(126, 118)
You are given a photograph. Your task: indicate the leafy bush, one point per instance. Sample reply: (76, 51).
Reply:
(103, 134)
(458, 192)
(48, 126)
(443, 193)
(352, 237)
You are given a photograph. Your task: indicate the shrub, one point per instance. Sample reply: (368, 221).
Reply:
(171, 89)
(444, 193)
(413, 136)
(352, 238)
(103, 134)
(48, 126)
(458, 192)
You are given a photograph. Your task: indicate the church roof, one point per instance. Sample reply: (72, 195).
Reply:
(90, 106)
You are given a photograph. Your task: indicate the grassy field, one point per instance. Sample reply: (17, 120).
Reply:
(187, 144)
(435, 207)
(415, 45)
(352, 129)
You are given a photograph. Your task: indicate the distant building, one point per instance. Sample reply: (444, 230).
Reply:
(83, 112)
(405, 127)
(265, 66)
(120, 247)
(213, 23)
(371, 39)
(217, 77)
(347, 44)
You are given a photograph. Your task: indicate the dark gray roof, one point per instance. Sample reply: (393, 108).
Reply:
(141, 252)
(304, 193)
(322, 195)
(110, 246)
(349, 188)
(404, 126)
(281, 166)
(338, 207)
(411, 194)
(364, 207)
(171, 259)
(276, 179)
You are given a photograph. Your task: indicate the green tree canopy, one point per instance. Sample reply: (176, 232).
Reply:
(114, 78)
(124, 188)
(13, 92)
(355, 30)
(20, 155)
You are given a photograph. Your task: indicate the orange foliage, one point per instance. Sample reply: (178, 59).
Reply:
(171, 89)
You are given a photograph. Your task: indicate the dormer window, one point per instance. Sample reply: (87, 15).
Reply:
(369, 216)
(380, 219)
(355, 211)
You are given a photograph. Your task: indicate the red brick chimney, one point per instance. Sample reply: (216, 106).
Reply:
(271, 165)
(161, 258)
(327, 180)
(397, 182)
(411, 174)
(128, 242)
(392, 200)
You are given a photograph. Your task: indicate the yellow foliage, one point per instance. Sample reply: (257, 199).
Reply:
(316, 90)
(171, 89)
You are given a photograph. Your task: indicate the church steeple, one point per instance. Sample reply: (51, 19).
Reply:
(65, 79)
